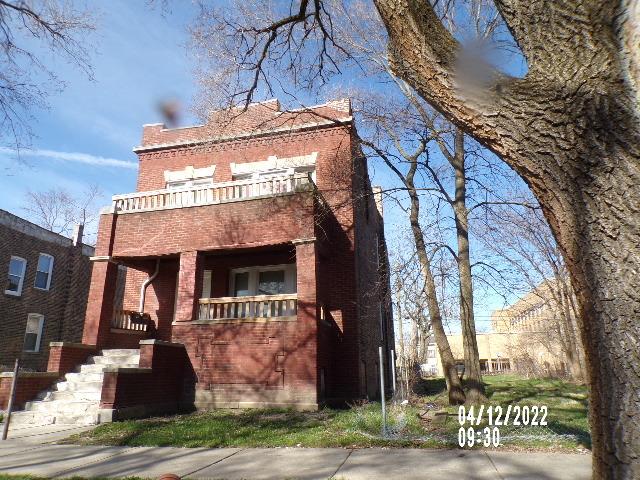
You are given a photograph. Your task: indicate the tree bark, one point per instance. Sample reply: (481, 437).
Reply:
(474, 386)
(571, 129)
(454, 385)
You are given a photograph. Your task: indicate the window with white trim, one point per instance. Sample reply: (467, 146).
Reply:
(198, 182)
(17, 269)
(43, 272)
(267, 280)
(33, 333)
(189, 177)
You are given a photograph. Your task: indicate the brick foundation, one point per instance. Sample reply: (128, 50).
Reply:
(28, 387)
(154, 387)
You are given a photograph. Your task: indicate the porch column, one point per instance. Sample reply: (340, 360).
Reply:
(97, 324)
(189, 286)
(302, 353)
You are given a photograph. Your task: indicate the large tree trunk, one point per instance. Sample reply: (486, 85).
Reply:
(475, 387)
(454, 385)
(571, 129)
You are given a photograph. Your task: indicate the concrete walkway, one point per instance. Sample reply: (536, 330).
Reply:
(31, 450)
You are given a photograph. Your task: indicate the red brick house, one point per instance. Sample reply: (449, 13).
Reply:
(44, 297)
(255, 247)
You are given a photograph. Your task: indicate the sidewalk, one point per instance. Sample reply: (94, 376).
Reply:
(30, 451)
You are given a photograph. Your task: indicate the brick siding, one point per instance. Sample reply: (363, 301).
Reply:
(63, 305)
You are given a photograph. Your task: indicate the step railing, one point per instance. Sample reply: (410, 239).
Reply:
(124, 320)
(250, 307)
(209, 194)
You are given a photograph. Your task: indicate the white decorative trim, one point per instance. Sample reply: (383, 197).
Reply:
(189, 173)
(240, 136)
(274, 163)
(101, 258)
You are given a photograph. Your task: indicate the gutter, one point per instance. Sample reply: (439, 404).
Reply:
(145, 284)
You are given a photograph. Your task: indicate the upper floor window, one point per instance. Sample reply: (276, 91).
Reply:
(17, 269)
(275, 167)
(189, 177)
(43, 272)
(33, 333)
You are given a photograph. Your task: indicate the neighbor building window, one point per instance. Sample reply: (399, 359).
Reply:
(33, 334)
(268, 280)
(17, 269)
(43, 272)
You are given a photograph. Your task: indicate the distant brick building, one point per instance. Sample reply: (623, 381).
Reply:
(45, 294)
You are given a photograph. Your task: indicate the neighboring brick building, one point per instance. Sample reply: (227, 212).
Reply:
(531, 337)
(263, 248)
(45, 294)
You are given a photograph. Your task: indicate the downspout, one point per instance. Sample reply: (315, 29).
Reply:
(145, 284)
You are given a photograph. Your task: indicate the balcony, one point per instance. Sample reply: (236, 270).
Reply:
(213, 194)
(249, 308)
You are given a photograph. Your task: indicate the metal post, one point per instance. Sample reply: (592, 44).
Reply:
(382, 399)
(393, 370)
(12, 397)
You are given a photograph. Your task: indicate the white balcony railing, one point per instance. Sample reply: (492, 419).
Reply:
(210, 194)
(261, 307)
(124, 320)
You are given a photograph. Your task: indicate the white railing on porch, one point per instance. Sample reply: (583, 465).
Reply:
(261, 306)
(208, 194)
(122, 321)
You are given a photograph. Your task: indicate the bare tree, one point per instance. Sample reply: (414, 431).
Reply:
(521, 239)
(570, 128)
(59, 211)
(27, 28)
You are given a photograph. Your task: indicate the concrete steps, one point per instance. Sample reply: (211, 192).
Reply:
(76, 399)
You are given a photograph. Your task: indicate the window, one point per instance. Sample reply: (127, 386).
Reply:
(241, 281)
(199, 182)
(33, 334)
(206, 284)
(17, 268)
(271, 282)
(43, 272)
(189, 177)
(267, 280)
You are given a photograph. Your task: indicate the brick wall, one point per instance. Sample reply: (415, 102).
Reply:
(158, 388)
(63, 305)
(275, 362)
(64, 357)
(28, 386)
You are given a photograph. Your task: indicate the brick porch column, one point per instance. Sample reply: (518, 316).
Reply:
(189, 286)
(102, 290)
(301, 362)
(104, 276)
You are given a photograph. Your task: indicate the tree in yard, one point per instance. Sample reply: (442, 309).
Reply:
(59, 211)
(521, 241)
(27, 28)
(570, 127)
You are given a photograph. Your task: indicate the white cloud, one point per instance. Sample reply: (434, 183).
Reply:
(73, 157)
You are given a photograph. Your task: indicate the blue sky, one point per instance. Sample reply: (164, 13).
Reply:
(87, 134)
(139, 60)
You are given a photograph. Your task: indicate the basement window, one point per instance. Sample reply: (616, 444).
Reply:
(43, 272)
(17, 269)
(33, 334)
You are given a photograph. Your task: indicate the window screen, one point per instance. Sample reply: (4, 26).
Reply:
(33, 333)
(271, 282)
(241, 284)
(43, 272)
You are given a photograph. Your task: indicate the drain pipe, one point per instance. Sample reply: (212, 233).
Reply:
(145, 284)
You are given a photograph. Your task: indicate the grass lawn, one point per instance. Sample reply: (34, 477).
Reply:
(360, 426)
